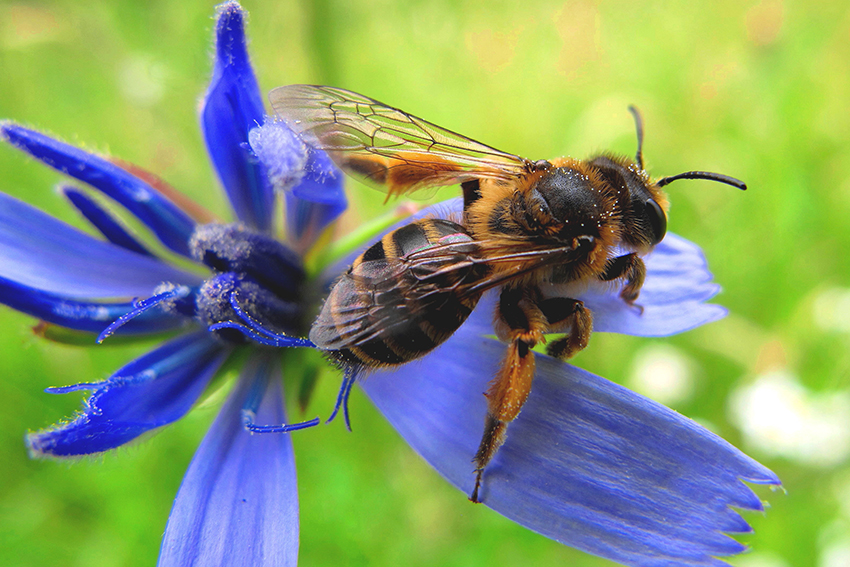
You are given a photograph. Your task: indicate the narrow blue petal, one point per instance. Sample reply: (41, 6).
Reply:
(238, 504)
(153, 390)
(39, 251)
(165, 219)
(104, 222)
(230, 109)
(89, 316)
(587, 463)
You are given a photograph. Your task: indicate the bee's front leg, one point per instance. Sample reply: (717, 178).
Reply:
(632, 269)
(519, 321)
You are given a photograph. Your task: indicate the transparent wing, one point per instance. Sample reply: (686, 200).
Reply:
(385, 147)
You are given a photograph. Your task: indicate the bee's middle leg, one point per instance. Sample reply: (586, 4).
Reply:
(520, 322)
(570, 316)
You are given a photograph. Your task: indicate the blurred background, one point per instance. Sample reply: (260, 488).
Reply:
(754, 89)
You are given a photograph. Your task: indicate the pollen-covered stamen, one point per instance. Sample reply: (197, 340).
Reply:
(307, 179)
(276, 341)
(233, 248)
(171, 294)
(248, 423)
(257, 391)
(256, 332)
(259, 314)
(282, 153)
(348, 380)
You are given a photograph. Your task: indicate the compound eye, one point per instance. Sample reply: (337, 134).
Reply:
(657, 220)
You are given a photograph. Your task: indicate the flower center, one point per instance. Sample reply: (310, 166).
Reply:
(256, 280)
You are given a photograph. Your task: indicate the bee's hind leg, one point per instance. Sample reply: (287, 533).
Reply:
(519, 321)
(505, 397)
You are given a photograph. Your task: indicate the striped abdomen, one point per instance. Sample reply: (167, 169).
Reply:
(402, 297)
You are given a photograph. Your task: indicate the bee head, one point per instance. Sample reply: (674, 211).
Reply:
(642, 201)
(642, 204)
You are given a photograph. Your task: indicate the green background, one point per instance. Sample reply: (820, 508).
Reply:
(758, 90)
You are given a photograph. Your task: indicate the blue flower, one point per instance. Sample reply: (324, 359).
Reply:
(587, 463)
(80, 285)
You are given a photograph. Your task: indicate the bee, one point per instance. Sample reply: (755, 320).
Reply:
(538, 231)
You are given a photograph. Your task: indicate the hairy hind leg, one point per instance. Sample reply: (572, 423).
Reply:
(520, 322)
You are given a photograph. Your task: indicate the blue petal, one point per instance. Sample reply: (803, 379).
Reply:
(89, 316)
(153, 390)
(39, 251)
(167, 221)
(231, 108)
(238, 504)
(103, 221)
(587, 463)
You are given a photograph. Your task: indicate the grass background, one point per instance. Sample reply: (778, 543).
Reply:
(755, 89)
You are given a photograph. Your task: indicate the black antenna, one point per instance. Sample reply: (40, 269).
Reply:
(703, 175)
(639, 125)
